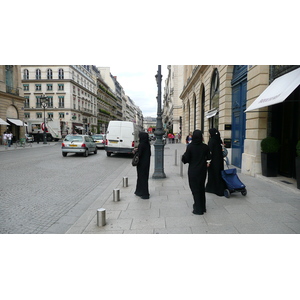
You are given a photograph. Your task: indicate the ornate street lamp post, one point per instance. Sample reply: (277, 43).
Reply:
(44, 103)
(159, 132)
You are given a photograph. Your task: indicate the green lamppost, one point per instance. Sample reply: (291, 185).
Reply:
(159, 132)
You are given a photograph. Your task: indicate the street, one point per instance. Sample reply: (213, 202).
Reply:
(39, 187)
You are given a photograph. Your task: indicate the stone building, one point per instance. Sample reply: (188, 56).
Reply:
(172, 104)
(11, 101)
(218, 96)
(72, 98)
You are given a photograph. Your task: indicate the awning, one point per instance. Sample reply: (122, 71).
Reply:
(79, 127)
(17, 122)
(2, 122)
(277, 91)
(211, 113)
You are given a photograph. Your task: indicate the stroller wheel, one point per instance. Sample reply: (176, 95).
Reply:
(227, 193)
(244, 193)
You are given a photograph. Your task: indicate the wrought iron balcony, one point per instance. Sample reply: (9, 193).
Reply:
(11, 90)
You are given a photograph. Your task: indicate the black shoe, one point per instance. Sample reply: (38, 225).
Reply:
(145, 197)
(197, 213)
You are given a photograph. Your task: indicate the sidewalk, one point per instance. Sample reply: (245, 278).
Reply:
(271, 206)
(33, 145)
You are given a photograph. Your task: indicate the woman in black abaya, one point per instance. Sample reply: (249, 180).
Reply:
(143, 167)
(196, 155)
(215, 183)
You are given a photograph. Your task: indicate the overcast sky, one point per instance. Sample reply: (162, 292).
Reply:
(139, 83)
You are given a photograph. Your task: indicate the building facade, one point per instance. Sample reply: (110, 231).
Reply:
(172, 104)
(11, 102)
(71, 94)
(218, 96)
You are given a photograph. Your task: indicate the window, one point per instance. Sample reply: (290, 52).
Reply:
(61, 101)
(37, 74)
(214, 98)
(26, 74)
(26, 103)
(49, 74)
(38, 87)
(49, 87)
(50, 101)
(61, 115)
(38, 102)
(50, 115)
(60, 87)
(39, 115)
(60, 74)
(27, 115)
(26, 87)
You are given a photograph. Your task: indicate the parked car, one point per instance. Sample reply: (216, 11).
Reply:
(78, 144)
(29, 137)
(99, 140)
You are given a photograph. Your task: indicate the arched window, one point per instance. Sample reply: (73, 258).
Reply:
(25, 74)
(37, 74)
(202, 108)
(49, 74)
(60, 74)
(214, 98)
(195, 111)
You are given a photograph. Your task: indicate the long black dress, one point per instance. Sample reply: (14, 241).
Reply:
(196, 155)
(143, 166)
(215, 183)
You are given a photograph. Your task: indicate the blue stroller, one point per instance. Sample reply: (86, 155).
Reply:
(232, 181)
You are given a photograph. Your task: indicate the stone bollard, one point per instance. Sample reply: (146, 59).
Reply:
(175, 157)
(125, 181)
(181, 167)
(101, 217)
(116, 195)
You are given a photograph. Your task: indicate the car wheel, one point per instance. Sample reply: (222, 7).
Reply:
(86, 153)
(108, 153)
(64, 154)
(96, 150)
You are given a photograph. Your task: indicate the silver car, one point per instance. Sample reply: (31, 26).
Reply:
(78, 144)
(99, 140)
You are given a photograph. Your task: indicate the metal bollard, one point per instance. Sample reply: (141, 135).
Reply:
(181, 167)
(116, 195)
(125, 181)
(101, 217)
(175, 157)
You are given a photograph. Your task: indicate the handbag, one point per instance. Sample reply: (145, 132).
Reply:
(135, 159)
(224, 151)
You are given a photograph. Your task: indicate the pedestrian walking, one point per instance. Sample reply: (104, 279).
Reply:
(188, 139)
(197, 155)
(9, 136)
(4, 138)
(143, 166)
(38, 137)
(215, 183)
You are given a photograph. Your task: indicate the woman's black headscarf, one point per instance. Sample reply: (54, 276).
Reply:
(144, 137)
(197, 137)
(215, 134)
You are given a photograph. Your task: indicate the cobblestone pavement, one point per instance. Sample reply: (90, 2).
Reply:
(43, 192)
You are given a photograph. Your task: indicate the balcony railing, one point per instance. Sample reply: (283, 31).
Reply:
(11, 90)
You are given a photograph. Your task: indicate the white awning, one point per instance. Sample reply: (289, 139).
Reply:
(2, 122)
(17, 122)
(277, 91)
(79, 127)
(211, 113)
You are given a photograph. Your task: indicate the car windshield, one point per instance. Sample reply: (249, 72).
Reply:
(73, 138)
(98, 137)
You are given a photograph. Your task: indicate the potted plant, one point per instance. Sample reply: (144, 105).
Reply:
(298, 164)
(269, 156)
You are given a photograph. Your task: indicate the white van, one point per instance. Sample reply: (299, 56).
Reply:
(121, 137)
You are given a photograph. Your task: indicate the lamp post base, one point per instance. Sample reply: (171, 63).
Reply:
(159, 161)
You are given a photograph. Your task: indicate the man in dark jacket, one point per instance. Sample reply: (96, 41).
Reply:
(197, 155)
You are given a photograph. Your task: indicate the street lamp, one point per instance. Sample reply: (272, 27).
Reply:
(159, 132)
(44, 103)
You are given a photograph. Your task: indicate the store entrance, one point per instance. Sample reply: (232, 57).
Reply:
(285, 125)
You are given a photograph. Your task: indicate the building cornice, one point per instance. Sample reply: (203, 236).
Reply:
(192, 79)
